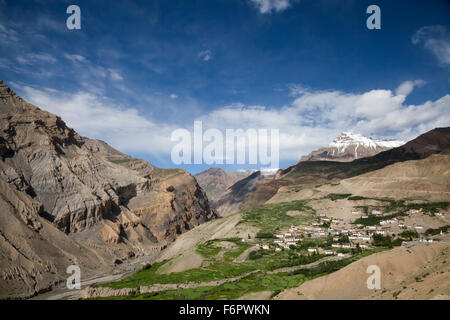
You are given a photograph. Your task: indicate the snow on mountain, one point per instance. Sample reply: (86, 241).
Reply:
(347, 139)
(349, 146)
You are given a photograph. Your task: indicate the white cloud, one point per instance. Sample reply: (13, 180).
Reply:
(115, 75)
(437, 40)
(205, 55)
(75, 57)
(408, 86)
(97, 118)
(32, 58)
(316, 117)
(268, 6)
(8, 35)
(313, 119)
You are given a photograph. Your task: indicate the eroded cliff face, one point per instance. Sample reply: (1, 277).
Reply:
(34, 254)
(87, 190)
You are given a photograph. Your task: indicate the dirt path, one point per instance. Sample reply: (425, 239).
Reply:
(66, 294)
(63, 293)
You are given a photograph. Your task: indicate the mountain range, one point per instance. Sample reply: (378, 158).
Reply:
(255, 190)
(67, 199)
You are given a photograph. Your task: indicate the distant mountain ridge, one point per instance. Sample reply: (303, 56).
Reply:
(216, 181)
(351, 146)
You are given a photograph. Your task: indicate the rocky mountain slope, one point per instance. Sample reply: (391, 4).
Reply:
(350, 146)
(426, 179)
(236, 196)
(216, 181)
(34, 254)
(85, 191)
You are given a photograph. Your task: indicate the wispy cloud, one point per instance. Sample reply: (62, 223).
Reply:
(205, 55)
(269, 6)
(437, 40)
(32, 58)
(115, 75)
(74, 57)
(8, 35)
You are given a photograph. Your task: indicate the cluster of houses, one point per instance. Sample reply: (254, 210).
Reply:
(286, 239)
(358, 235)
(365, 216)
(325, 252)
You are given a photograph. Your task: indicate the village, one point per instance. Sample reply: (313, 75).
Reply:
(334, 236)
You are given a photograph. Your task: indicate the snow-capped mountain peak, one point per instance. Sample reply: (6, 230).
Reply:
(346, 139)
(349, 146)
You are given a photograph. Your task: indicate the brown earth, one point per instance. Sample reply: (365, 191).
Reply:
(418, 272)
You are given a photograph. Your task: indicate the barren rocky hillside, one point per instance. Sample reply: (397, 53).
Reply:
(419, 272)
(85, 191)
(235, 197)
(215, 181)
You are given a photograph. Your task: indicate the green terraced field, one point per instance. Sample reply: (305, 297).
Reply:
(260, 271)
(273, 217)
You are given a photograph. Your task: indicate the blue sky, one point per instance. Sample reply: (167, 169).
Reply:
(137, 70)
